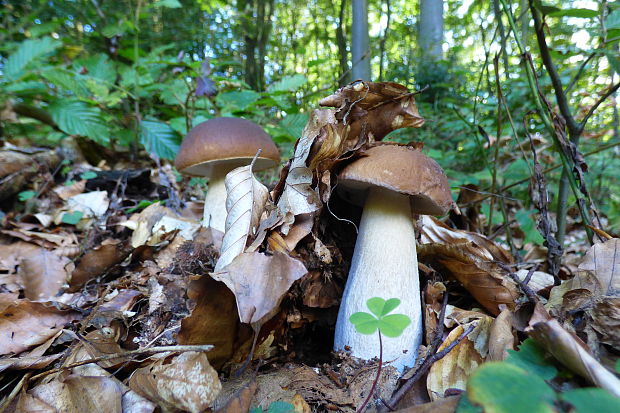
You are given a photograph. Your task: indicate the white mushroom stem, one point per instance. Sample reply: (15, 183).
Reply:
(384, 265)
(214, 215)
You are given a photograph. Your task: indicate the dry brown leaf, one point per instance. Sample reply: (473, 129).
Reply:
(33, 359)
(97, 261)
(501, 336)
(10, 257)
(245, 202)
(452, 371)
(77, 394)
(240, 401)
(573, 353)
(298, 196)
(606, 320)
(485, 280)
(434, 231)
(24, 323)
(186, 382)
(259, 283)
(213, 320)
(43, 274)
(44, 239)
(604, 261)
(447, 405)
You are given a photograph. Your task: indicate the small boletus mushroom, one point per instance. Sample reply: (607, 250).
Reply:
(392, 182)
(216, 147)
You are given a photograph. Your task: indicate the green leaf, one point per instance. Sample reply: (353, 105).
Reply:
(159, 138)
(237, 100)
(533, 358)
(88, 175)
(592, 400)
(281, 407)
(171, 4)
(583, 13)
(465, 406)
(528, 226)
(617, 366)
(77, 118)
(25, 195)
(375, 305)
(393, 325)
(294, 124)
(504, 388)
(72, 218)
(364, 323)
(26, 88)
(288, 84)
(612, 58)
(27, 52)
(612, 22)
(100, 67)
(38, 30)
(67, 81)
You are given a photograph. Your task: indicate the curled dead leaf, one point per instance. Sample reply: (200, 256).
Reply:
(245, 203)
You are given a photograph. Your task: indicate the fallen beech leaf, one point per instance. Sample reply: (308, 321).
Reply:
(245, 202)
(452, 371)
(570, 350)
(33, 359)
(43, 274)
(435, 231)
(501, 336)
(604, 261)
(97, 261)
(79, 394)
(240, 401)
(485, 280)
(298, 197)
(259, 283)
(92, 204)
(24, 323)
(186, 382)
(447, 405)
(213, 320)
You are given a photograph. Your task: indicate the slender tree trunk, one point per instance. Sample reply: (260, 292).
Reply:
(360, 42)
(430, 36)
(255, 17)
(341, 42)
(388, 16)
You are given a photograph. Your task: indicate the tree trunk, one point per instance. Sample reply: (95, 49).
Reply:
(430, 36)
(255, 18)
(341, 42)
(360, 42)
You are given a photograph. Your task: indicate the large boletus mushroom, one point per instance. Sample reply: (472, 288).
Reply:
(392, 182)
(216, 147)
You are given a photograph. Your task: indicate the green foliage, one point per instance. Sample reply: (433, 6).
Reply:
(500, 387)
(78, 118)
(159, 139)
(26, 195)
(72, 218)
(390, 325)
(28, 52)
(275, 407)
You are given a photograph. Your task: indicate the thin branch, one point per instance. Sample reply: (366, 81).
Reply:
(600, 100)
(545, 55)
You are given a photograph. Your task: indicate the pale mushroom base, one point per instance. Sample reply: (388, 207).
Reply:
(384, 265)
(214, 214)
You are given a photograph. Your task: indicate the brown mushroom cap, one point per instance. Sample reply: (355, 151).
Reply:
(402, 169)
(225, 141)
